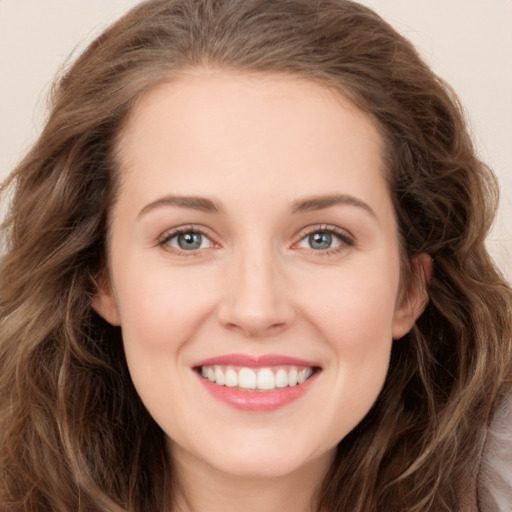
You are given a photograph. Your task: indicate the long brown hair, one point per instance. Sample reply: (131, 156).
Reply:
(73, 434)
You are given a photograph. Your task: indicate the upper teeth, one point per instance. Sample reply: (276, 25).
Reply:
(252, 378)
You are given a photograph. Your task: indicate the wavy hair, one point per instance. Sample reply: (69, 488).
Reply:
(74, 436)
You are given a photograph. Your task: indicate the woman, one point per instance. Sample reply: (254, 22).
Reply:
(245, 269)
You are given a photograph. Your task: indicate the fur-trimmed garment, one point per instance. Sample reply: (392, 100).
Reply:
(495, 476)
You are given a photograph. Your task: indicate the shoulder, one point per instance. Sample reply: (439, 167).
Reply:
(495, 477)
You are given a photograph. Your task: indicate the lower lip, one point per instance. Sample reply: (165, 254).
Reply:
(251, 400)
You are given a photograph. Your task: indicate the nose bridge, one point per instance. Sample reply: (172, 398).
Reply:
(255, 298)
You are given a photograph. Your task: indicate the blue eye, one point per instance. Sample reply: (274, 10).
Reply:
(325, 239)
(320, 240)
(188, 241)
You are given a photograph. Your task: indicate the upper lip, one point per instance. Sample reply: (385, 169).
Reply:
(255, 361)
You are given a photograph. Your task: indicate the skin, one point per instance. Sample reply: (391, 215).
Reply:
(258, 147)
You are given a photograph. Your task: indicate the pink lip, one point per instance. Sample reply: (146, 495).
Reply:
(257, 400)
(251, 361)
(254, 400)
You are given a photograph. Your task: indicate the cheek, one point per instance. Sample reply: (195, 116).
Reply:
(360, 335)
(159, 307)
(355, 318)
(160, 313)
(357, 308)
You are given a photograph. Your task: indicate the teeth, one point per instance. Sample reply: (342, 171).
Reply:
(252, 378)
(231, 378)
(266, 379)
(246, 379)
(303, 375)
(292, 377)
(281, 378)
(219, 376)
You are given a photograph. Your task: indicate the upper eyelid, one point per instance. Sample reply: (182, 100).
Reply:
(186, 228)
(324, 227)
(302, 233)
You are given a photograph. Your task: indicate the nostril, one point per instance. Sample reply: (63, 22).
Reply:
(256, 318)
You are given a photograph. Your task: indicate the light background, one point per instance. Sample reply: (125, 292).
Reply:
(467, 42)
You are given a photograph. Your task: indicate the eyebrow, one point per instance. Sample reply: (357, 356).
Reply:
(320, 202)
(201, 204)
(302, 205)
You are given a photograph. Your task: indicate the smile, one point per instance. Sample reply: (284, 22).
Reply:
(262, 379)
(257, 383)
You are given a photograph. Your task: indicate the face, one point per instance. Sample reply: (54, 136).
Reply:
(254, 269)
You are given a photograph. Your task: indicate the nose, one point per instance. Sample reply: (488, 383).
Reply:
(255, 299)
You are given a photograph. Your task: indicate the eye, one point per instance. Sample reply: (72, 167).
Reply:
(325, 239)
(187, 240)
(320, 240)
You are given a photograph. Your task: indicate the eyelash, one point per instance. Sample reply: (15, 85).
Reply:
(346, 239)
(183, 230)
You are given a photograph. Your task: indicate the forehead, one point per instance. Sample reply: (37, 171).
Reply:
(208, 127)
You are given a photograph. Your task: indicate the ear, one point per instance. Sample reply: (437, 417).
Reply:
(104, 302)
(414, 297)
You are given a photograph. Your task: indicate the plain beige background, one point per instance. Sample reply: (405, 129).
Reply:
(467, 42)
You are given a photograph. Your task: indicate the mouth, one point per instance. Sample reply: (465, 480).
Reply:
(256, 383)
(257, 379)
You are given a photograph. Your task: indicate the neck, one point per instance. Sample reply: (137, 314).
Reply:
(202, 488)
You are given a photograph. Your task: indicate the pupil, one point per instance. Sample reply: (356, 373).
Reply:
(189, 241)
(320, 240)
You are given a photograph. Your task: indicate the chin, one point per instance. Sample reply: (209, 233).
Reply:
(260, 457)
(261, 465)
